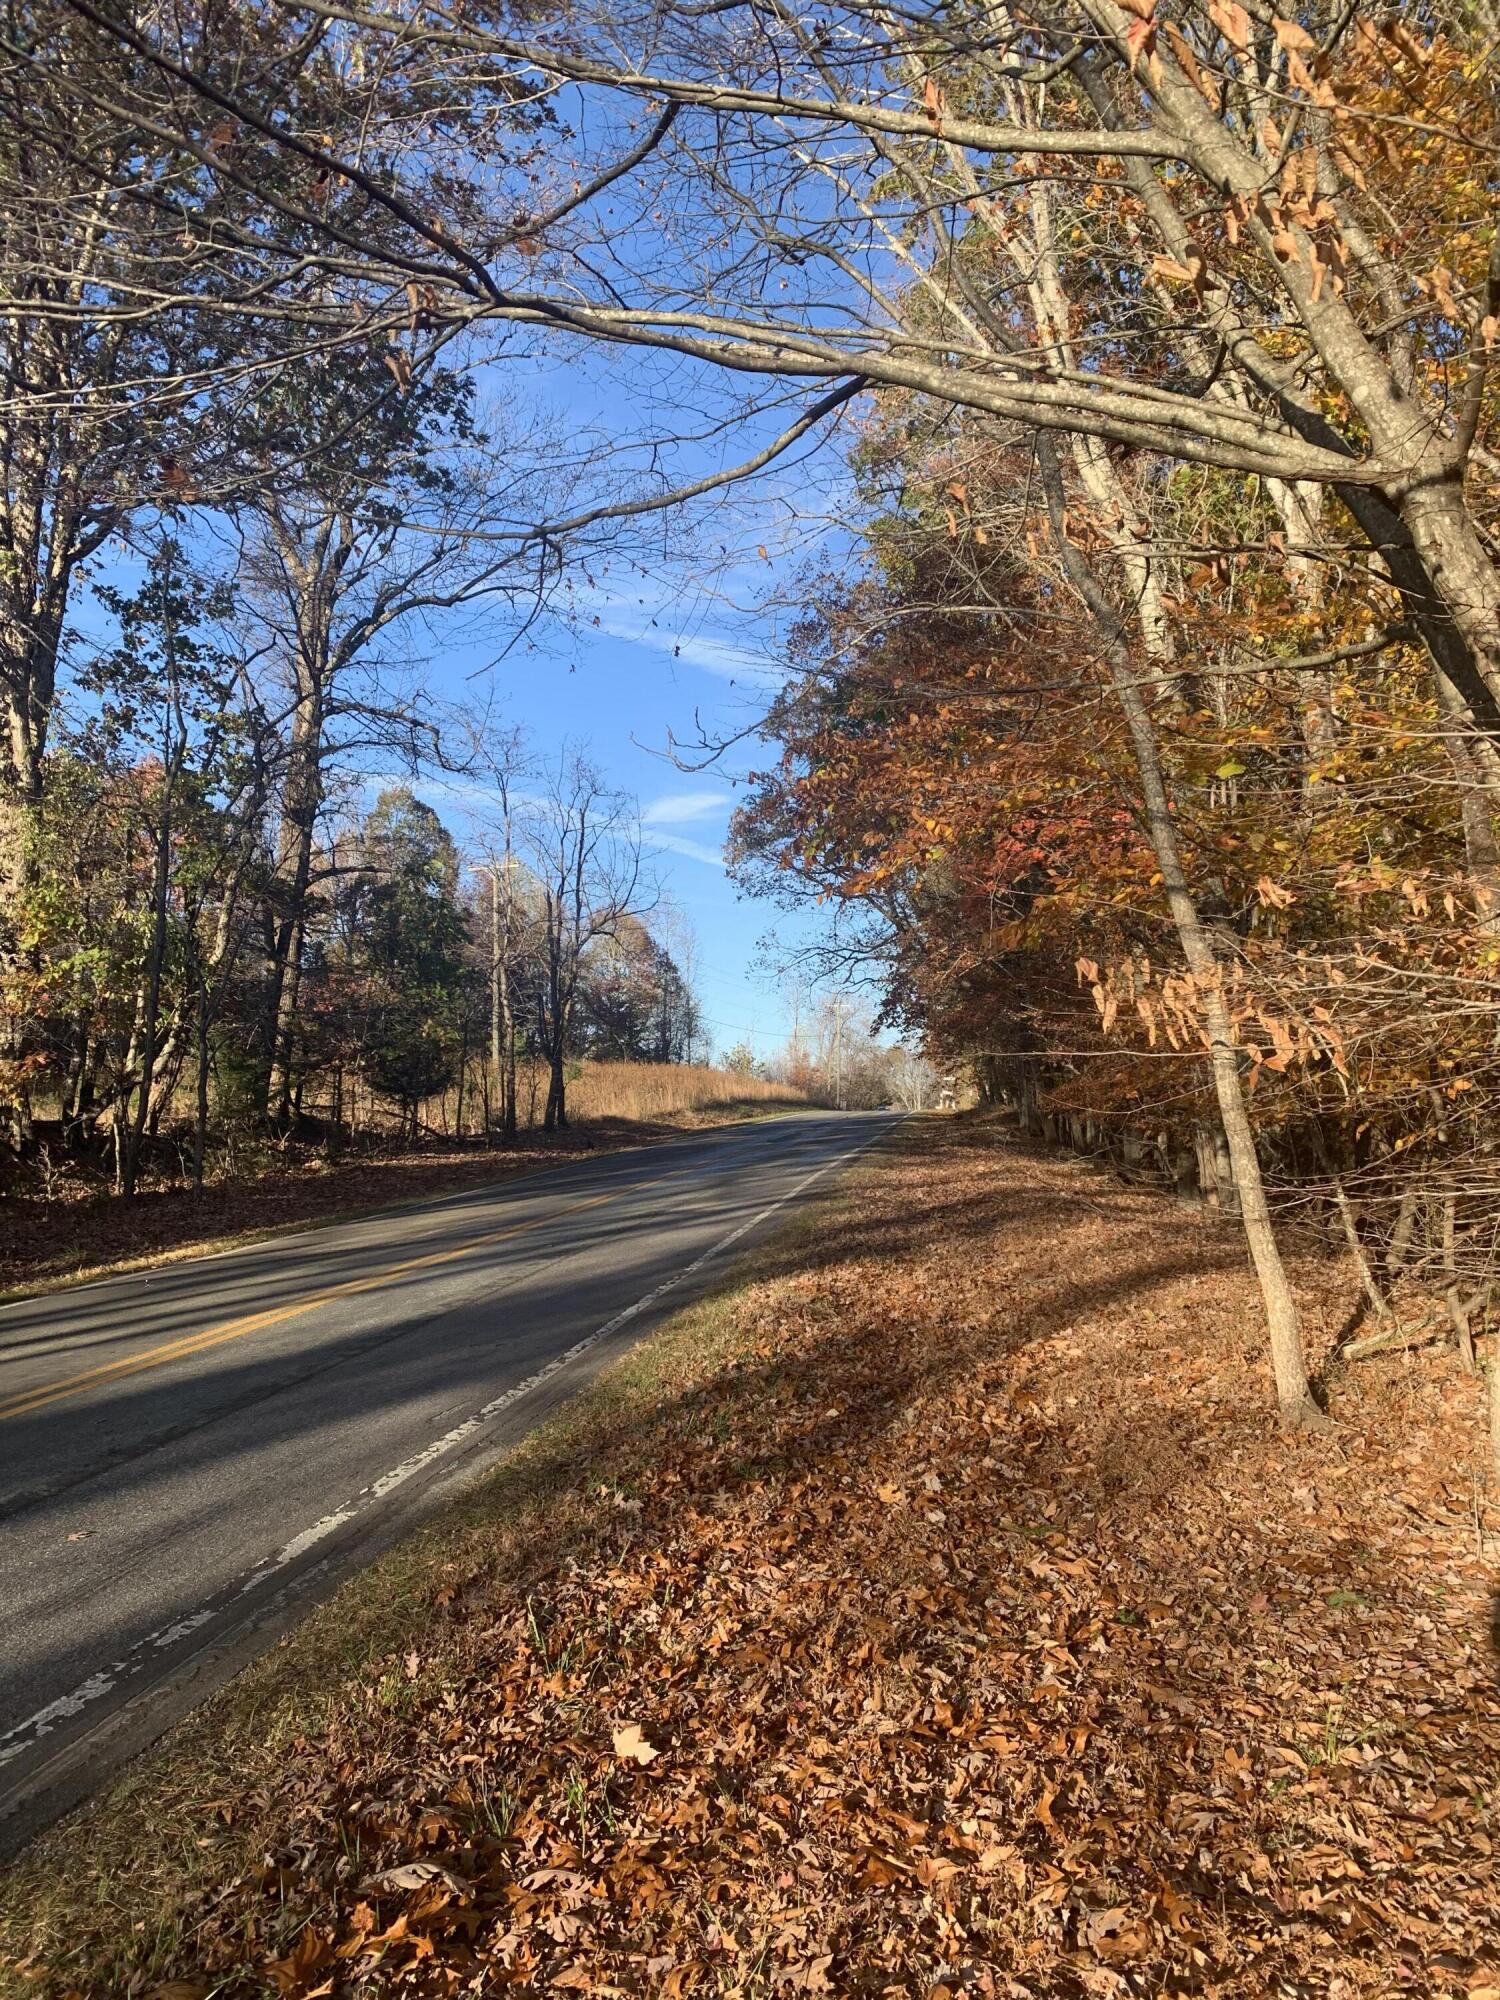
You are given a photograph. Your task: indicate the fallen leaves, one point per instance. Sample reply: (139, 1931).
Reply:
(412, 1875)
(292, 1974)
(632, 1745)
(1000, 1646)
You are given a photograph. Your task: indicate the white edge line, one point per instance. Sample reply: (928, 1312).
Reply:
(15, 1742)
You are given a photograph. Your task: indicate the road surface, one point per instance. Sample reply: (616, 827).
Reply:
(190, 1456)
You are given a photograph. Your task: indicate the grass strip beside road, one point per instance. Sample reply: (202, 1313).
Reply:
(932, 1610)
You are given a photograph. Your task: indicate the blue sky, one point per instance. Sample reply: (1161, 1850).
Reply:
(678, 635)
(665, 660)
(622, 697)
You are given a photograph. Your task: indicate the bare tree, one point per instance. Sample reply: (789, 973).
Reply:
(504, 761)
(914, 1080)
(584, 850)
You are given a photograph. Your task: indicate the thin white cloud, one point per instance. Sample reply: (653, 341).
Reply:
(695, 850)
(674, 808)
(720, 657)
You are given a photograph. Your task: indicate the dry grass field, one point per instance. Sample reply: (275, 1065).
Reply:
(666, 1090)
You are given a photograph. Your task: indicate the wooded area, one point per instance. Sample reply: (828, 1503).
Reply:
(173, 982)
(1152, 732)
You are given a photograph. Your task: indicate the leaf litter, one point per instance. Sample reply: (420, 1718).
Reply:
(967, 1631)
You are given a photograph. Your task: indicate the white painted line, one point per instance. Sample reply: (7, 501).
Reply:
(17, 1741)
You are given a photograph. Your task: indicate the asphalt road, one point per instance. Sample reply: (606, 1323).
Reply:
(190, 1456)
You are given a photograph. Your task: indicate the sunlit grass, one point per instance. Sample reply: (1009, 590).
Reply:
(660, 1090)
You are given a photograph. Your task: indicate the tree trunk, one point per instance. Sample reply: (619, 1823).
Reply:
(508, 1113)
(1294, 1396)
(1470, 756)
(75, 1083)
(1396, 1249)
(497, 1025)
(1458, 1311)
(151, 1011)
(281, 1076)
(200, 1122)
(502, 999)
(555, 1117)
(20, 804)
(301, 798)
(1453, 552)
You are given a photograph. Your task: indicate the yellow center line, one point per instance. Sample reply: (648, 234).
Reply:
(27, 1400)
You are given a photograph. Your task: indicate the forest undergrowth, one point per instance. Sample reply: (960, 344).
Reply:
(933, 1611)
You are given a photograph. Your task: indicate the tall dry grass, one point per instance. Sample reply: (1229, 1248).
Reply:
(660, 1090)
(639, 1092)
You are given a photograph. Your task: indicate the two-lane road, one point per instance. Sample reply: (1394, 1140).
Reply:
(190, 1455)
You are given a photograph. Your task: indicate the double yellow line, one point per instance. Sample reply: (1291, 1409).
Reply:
(26, 1400)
